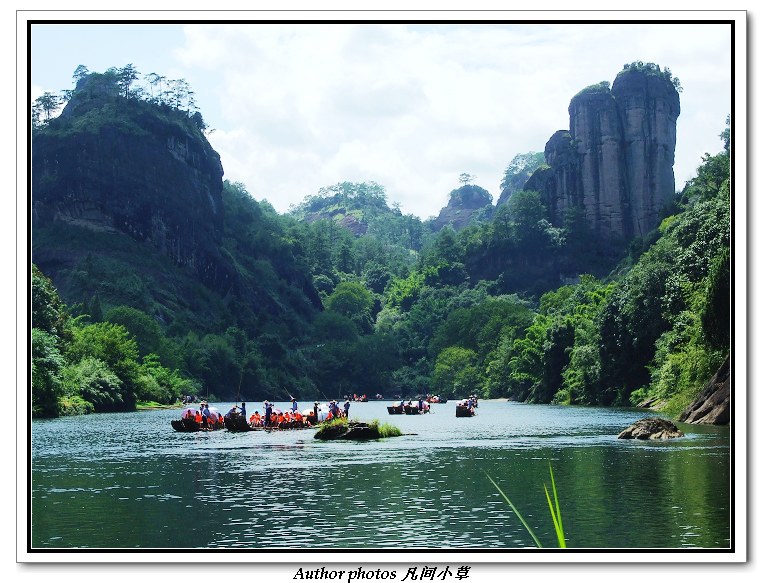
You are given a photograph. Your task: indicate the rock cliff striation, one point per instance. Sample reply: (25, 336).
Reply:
(615, 162)
(129, 205)
(119, 165)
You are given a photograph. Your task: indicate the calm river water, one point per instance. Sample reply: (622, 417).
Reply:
(129, 481)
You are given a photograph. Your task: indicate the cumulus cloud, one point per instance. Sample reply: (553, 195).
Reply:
(411, 107)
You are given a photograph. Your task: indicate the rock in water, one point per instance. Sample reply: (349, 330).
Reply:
(651, 428)
(712, 406)
(352, 430)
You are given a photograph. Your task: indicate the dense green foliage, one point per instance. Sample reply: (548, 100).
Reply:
(597, 88)
(173, 96)
(80, 367)
(652, 69)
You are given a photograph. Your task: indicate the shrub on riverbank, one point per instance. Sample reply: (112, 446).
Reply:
(70, 405)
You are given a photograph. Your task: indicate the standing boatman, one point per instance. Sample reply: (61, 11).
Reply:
(268, 412)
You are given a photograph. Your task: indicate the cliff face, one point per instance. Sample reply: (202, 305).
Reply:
(648, 107)
(126, 166)
(713, 405)
(128, 203)
(616, 160)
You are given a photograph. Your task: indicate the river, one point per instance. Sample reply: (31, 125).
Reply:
(128, 481)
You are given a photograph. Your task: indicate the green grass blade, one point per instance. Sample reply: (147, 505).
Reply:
(514, 508)
(557, 527)
(556, 503)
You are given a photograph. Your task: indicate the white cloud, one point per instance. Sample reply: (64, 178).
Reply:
(411, 107)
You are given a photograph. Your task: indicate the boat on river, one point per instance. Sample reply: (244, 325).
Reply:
(464, 409)
(436, 399)
(395, 409)
(411, 409)
(280, 420)
(190, 422)
(237, 423)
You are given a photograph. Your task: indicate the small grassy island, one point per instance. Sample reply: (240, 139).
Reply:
(343, 429)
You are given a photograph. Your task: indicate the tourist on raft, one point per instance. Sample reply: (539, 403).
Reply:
(347, 409)
(279, 420)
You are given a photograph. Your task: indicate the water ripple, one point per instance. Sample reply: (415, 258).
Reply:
(128, 480)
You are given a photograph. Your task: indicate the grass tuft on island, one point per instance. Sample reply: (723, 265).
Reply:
(344, 429)
(150, 405)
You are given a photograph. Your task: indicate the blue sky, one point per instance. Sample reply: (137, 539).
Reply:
(298, 107)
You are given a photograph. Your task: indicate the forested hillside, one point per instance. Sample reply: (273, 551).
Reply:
(185, 284)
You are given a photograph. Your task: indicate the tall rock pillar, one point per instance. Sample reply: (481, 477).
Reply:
(648, 107)
(596, 132)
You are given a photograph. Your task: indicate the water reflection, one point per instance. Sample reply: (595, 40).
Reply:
(128, 480)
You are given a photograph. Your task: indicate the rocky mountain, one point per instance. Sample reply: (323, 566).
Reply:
(129, 203)
(467, 203)
(616, 160)
(113, 165)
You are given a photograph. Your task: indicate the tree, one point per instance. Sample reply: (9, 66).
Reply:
(146, 331)
(159, 383)
(465, 178)
(79, 73)
(177, 93)
(726, 135)
(111, 344)
(92, 380)
(48, 311)
(126, 76)
(716, 311)
(47, 364)
(94, 309)
(455, 372)
(198, 121)
(520, 169)
(354, 301)
(154, 79)
(65, 96)
(46, 105)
